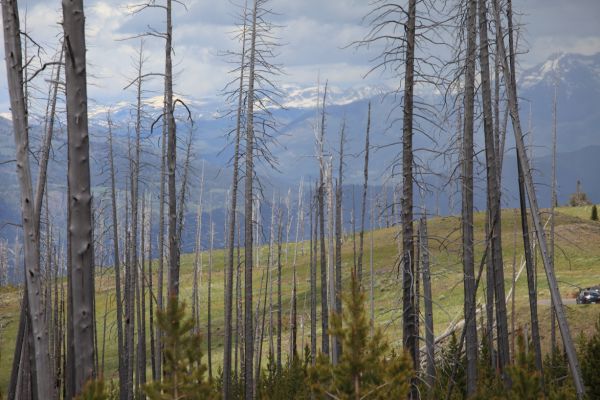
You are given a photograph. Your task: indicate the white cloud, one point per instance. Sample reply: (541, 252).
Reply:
(314, 32)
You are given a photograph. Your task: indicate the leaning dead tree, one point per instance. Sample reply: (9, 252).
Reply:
(509, 80)
(31, 247)
(80, 198)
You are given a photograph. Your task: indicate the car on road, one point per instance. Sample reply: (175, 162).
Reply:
(589, 296)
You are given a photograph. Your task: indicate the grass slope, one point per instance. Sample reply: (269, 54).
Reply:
(577, 265)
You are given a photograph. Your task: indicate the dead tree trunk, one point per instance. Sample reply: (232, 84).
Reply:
(248, 208)
(171, 160)
(314, 217)
(232, 224)
(294, 308)
(493, 192)
(409, 333)
(279, 302)
(467, 199)
(364, 200)
(338, 238)
(209, 305)
(535, 212)
(428, 302)
(80, 199)
(14, 70)
(117, 265)
(321, 200)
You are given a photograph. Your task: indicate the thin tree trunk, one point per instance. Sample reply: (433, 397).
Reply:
(80, 199)
(372, 275)
(117, 264)
(151, 297)
(279, 303)
(313, 279)
(553, 216)
(331, 250)
(338, 237)
(294, 308)
(232, 222)
(141, 287)
(364, 200)
(428, 302)
(198, 257)
(323, 259)
(209, 302)
(133, 267)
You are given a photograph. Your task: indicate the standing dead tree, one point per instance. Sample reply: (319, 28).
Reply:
(259, 93)
(233, 216)
(80, 197)
(338, 238)
(117, 265)
(321, 226)
(364, 199)
(493, 192)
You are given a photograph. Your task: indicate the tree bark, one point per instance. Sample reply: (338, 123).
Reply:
(428, 302)
(171, 160)
(248, 223)
(18, 105)
(409, 333)
(467, 200)
(80, 199)
(493, 193)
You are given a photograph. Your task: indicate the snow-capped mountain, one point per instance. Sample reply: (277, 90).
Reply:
(576, 79)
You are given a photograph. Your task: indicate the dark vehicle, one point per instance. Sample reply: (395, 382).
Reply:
(589, 296)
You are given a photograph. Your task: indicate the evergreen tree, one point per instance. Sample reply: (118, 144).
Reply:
(589, 363)
(184, 372)
(95, 390)
(526, 380)
(368, 370)
(594, 213)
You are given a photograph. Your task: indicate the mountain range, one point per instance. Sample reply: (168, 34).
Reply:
(575, 78)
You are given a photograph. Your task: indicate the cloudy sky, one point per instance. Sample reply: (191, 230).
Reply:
(315, 34)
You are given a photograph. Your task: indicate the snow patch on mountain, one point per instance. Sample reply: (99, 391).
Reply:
(296, 96)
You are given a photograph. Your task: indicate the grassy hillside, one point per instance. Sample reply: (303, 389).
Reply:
(577, 265)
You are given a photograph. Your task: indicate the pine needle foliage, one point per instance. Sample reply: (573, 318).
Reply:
(183, 369)
(367, 369)
(525, 379)
(93, 390)
(590, 356)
